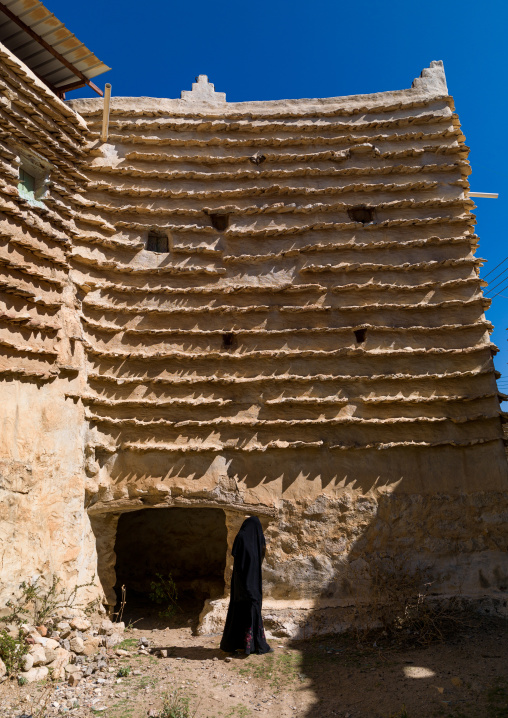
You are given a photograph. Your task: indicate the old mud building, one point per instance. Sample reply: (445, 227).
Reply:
(230, 308)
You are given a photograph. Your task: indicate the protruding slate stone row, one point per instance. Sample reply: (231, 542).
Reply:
(406, 281)
(36, 298)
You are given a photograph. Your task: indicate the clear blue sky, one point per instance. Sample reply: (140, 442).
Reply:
(274, 49)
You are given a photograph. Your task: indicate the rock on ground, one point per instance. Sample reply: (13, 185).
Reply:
(35, 674)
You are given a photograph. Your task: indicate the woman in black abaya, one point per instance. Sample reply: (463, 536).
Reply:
(244, 625)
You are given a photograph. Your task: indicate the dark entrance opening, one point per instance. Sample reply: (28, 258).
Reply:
(187, 544)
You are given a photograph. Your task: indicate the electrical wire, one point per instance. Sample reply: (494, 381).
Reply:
(497, 275)
(497, 265)
(495, 295)
(496, 284)
(499, 292)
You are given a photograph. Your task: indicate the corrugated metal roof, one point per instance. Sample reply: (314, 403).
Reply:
(42, 22)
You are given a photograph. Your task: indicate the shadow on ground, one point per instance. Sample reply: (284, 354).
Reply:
(463, 678)
(142, 613)
(193, 653)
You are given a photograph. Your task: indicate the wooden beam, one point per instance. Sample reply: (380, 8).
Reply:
(489, 195)
(69, 87)
(60, 91)
(50, 49)
(94, 87)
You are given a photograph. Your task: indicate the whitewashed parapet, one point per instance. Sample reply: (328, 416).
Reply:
(203, 91)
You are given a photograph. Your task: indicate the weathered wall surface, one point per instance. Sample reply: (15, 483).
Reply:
(282, 357)
(44, 528)
(285, 356)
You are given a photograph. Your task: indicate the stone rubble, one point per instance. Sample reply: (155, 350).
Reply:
(68, 650)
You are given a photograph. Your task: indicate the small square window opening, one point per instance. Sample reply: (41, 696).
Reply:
(33, 180)
(26, 185)
(157, 243)
(219, 222)
(257, 159)
(360, 335)
(361, 214)
(229, 341)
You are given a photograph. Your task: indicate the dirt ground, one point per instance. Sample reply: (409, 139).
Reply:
(463, 678)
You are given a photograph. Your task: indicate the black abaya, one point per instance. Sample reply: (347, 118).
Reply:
(244, 625)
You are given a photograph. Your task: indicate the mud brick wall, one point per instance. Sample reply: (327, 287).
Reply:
(44, 528)
(310, 346)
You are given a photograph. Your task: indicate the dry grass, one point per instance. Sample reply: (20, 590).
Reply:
(402, 609)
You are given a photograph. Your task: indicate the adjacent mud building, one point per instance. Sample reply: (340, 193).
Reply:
(268, 308)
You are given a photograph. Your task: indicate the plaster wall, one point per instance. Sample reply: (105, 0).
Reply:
(332, 376)
(44, 527)
(282, 358)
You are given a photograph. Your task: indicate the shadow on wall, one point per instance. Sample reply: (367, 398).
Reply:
(456, 539)
(127, 472)
(323, 551)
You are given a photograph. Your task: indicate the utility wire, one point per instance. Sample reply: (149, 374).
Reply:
(497, 265)
(497, 275)
(496, 284)
(501, 285)
(495, 295)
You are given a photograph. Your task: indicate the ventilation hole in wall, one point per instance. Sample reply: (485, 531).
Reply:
(361, 335)
(157, 243)
(229, 341)
(257, 159)
(219, 221)
(361, 214)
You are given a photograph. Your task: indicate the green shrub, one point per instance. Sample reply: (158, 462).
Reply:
(36, 603)
(400, 714)
(12, 651)
(164, 591)
(175, 705)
